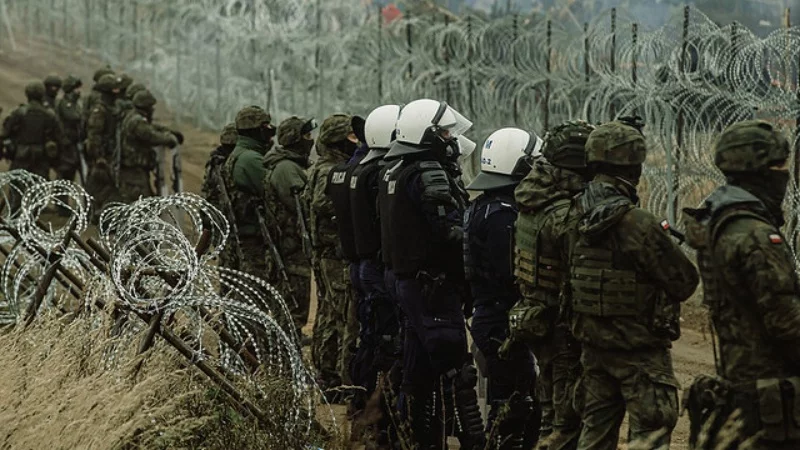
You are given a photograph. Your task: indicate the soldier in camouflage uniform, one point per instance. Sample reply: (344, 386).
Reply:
(627, 279)
(100, 143)
(541, 260)
(138, 156)
(285, 178)
(750, 286)
(331, 348)
(243, 175)
(212, 192)
(68, 110)
(52, 84)
(34, 132)
(95, 95)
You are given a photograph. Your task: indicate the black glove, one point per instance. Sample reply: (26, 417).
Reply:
(179, 136)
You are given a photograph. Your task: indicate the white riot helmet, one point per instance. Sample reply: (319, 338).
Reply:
(379, 131)
(427, 123)
(506, 158)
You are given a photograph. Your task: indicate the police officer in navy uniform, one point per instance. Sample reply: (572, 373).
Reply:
(421, 219)
(488, 229)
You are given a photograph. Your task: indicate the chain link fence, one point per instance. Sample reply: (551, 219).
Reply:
(687, 79)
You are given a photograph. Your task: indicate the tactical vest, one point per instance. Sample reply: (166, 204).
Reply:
(34, 120)
(366, 224)
(411, 246)
(69, 113)
(134, 153)
(476, 249)
(243, 204)
(604, 283)
(536, 263)
(338, 189)
(387, 174)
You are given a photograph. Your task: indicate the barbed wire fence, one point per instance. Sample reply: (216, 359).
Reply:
(688, 79)
(145, 272)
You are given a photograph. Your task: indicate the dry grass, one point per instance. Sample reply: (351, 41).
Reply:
(61, 392)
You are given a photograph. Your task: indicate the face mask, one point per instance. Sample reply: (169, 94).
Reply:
(769, 186)
(348, 147)
(304, 147)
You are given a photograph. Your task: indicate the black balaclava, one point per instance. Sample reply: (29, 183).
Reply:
(303, 147)
(769, 186)
(629, 176)
(346, 146)
(258, 135)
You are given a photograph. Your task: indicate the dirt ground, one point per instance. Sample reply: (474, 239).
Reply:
(692, 353)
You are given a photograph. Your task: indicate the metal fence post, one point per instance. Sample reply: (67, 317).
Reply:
(613, 106)
(549, 57)
(218, 64)
(586, 66)
(380, 56)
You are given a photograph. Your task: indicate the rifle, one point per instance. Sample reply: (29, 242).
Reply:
(161, 184)
(228, 207)
(83, 168)
(117, 155)
(307, 245)
(177, 170)
(301, 218)
(276, 255)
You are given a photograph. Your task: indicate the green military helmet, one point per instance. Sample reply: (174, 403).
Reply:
(35, 90)
(616, 143)
(229, 135)
(102, 71)
(291, 130)
(144, 100)
(565, 145)
(251, 117)
(335, 129)
(52, 81)
(133, 89)
(125, 81)
(750, 146)
(107, 83)
(71, 83)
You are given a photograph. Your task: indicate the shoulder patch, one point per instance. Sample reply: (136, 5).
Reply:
(775, 238)
(665, 225)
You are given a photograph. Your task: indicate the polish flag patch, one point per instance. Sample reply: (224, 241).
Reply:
(665, 225)
(775, 238)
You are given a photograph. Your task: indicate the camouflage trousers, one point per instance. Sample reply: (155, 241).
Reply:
(565, 371)
(67, 164)
(134, 182)
(102, 187)
(643, 382)
(333, 341)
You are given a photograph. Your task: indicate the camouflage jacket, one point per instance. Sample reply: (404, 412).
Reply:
(749, 284)
(541, 250)
(101, 130)
(70, 114)
(284, 177)
(138, 139)
(32, 125)
(624, 266)
(243, 175)
(92, 98)
(322, 216)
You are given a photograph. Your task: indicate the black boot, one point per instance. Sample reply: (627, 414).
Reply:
(470, 423)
